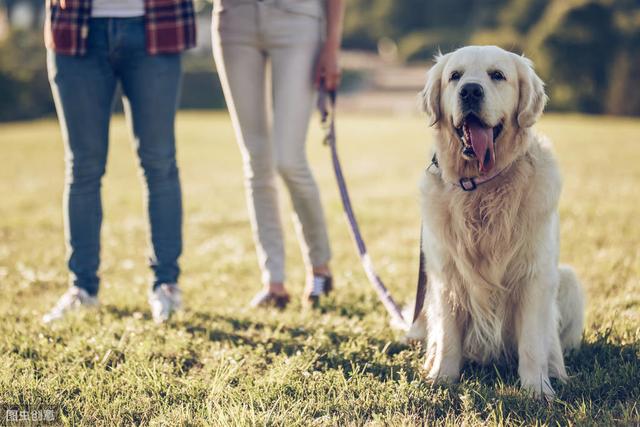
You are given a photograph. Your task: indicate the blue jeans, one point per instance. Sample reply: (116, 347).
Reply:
(83, 89)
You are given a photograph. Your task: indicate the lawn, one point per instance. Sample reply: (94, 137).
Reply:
(218, 363)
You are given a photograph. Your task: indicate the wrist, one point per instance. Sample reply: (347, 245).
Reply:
(332, 43)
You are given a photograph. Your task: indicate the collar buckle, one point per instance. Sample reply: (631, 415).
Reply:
(464, 184)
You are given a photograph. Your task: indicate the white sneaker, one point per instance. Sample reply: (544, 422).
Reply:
(72, 300)
(164, 300)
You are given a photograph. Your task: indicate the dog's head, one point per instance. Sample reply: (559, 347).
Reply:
(481, 99)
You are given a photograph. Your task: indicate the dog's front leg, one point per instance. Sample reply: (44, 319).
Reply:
(536, 322)
(444, 342)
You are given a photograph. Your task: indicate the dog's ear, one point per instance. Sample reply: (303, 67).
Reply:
(532, 96)
(429, 96)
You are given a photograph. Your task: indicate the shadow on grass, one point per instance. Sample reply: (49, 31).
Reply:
(601, 371)
(123, 312)
(364, 353)
(603, 374)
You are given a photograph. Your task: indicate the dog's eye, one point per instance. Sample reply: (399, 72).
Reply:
(455, 76)
(497, 75)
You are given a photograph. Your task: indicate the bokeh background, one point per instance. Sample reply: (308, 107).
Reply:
(587, 51)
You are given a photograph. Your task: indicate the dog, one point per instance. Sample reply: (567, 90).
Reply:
(490, 225)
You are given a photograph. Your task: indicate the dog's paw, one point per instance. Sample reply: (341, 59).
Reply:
(539, 387)
(441, 371)
(441, 377)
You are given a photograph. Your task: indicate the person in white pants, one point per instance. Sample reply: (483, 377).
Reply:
(300, 40)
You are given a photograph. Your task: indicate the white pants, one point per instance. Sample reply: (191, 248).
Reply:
(248, 35)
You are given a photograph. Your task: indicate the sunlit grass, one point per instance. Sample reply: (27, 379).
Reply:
(220, 364)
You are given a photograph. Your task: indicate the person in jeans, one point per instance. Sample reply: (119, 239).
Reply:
(300, 40)
(91, 46)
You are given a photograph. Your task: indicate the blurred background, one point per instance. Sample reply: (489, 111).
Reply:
(587, 51)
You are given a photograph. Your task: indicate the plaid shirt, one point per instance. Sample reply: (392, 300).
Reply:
(170, 26)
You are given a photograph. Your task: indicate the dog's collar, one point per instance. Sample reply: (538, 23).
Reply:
(466, 183)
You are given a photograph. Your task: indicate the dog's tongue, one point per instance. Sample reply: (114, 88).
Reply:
(482, 144)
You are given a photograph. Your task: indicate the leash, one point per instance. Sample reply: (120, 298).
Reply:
(327, 114)
(421, 288)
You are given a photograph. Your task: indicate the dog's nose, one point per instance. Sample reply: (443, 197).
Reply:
(471, 92)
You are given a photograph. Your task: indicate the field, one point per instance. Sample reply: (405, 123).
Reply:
(218, 363)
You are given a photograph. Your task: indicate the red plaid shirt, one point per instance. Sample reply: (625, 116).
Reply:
(170, 26)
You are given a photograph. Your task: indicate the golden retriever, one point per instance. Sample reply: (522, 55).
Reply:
(490, 224)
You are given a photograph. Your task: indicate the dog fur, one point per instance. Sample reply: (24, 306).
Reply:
(495, 290)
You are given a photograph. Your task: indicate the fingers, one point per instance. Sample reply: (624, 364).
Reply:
(332, 80)
(327, 72)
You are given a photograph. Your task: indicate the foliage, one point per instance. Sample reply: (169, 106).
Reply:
(25, 88)
(586, 50)
(580, 55)
(220, 364)
(23, 77)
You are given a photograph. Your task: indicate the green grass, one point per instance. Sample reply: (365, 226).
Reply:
(220, 364)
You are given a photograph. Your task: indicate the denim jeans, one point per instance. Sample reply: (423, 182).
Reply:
(83, 89)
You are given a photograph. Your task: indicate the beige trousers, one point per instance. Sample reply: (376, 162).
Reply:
(248, 36)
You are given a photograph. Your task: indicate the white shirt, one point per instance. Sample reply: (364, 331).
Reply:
(117, 8)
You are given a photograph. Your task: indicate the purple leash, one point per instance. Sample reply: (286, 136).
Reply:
(327, 114)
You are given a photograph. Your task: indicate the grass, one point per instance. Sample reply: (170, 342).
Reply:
(220, 364)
